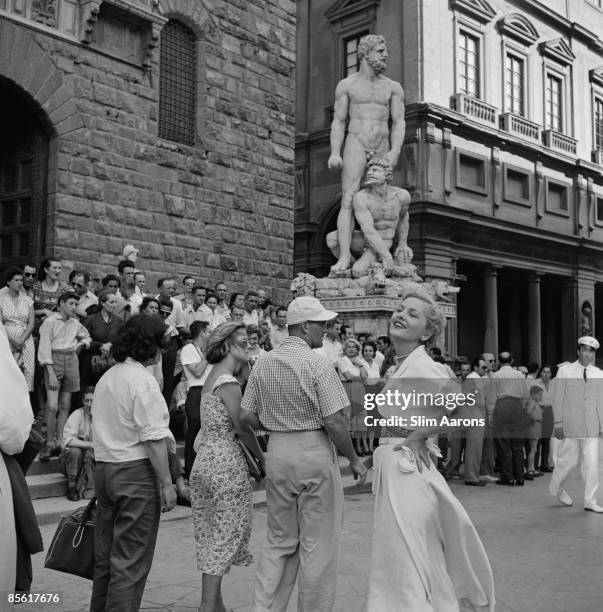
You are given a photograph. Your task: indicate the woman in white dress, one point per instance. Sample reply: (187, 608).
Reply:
(427, 556)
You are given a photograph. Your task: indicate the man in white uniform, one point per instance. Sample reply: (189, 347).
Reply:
(578, 413)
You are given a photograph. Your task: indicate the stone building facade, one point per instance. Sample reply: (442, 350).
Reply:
(168, 124)
(503, 157)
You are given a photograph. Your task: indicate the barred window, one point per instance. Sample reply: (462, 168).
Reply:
(177, 83)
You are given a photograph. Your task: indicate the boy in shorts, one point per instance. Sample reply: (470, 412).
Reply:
(61, 337)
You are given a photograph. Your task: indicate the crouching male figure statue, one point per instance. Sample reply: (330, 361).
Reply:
(382, 213)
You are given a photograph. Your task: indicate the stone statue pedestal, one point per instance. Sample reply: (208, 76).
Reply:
(367, 303)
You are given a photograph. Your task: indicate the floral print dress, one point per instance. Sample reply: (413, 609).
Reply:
(221, 493)
(15, 317)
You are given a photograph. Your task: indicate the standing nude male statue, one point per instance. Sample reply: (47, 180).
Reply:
(369, 100)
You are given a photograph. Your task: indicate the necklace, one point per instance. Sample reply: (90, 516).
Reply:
(401, 358)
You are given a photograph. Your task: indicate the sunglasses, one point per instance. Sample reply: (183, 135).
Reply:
(29, 274)
(77, 285)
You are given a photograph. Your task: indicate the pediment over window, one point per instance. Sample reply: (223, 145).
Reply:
(478, 9)
(596, 76)
(518, 27)
(558, 50)
(346, 8)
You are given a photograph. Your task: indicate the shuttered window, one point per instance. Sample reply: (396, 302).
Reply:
(177, 83)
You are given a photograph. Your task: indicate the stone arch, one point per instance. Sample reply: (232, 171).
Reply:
(49, 94)
(193, 13)
(39, 77)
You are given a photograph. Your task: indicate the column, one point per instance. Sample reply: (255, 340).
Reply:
(534, 325)
(490, 311)
(569, 320)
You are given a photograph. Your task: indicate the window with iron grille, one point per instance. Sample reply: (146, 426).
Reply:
(599, 124)
(514, 84)
(351, 63)
(177, 83)
(469, 77)
(554, 108)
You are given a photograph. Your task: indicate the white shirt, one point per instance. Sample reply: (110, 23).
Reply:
(191, 354)
(473, 375)
(510, 383)
(332, 350)
(378, 359)
(134, 301)
(214, 319)
(251, 318)
(87, 300)
(128, 410)
(203, 313)
(77, 427)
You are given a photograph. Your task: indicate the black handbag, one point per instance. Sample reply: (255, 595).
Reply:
(254, 467)
(72, 547)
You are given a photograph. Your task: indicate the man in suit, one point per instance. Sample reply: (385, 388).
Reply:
(578, 413)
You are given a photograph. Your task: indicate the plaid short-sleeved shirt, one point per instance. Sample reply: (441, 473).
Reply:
(292, 388)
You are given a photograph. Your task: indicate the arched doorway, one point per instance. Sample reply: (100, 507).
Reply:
(23, 175)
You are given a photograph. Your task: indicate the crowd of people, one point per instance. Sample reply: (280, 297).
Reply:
(115, 373)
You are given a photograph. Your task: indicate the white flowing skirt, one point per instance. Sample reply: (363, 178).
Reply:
(427, 555)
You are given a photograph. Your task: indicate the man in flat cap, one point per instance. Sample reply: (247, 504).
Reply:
(578, 413)
(295, 394)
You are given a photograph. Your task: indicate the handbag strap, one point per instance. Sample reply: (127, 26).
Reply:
(88, 511)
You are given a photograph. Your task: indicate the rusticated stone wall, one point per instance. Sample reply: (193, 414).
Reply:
(222, 208)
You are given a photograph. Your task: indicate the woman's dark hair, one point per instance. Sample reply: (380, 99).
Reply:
(11, 273)
(233, 297)
(104, 295)
(546, 365)
(370, 343)
(146, 301)
(139, 337)
(388, 361)
(46, 264)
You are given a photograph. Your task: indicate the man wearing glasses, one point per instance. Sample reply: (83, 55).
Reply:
(79, 281)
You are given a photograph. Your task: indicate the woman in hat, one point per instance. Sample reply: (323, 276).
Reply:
(220, 489)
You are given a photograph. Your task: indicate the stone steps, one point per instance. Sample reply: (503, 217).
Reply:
(48, 488)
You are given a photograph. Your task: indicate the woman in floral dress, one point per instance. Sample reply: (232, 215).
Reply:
(17, 315)
(220, 489)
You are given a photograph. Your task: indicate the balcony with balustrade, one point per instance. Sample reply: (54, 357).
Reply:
(559, 141)
(520, 126)
(474, 108)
